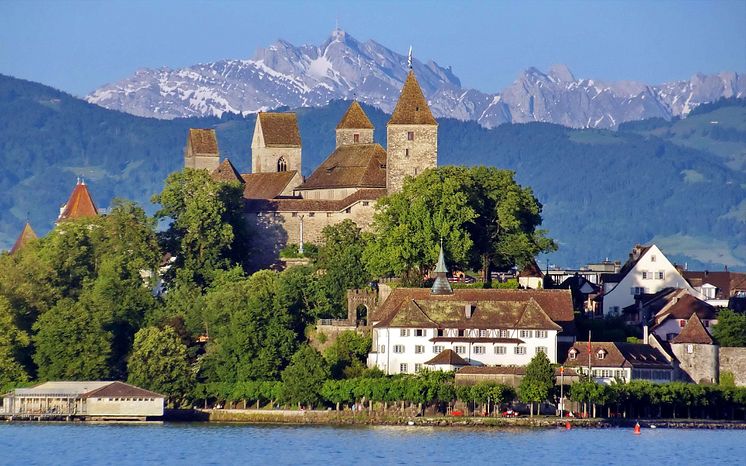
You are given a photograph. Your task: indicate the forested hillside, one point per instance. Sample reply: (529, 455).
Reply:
(680, 183)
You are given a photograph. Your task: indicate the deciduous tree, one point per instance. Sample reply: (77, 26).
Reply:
(538, 382)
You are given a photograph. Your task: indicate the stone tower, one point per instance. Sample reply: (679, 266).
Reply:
(201, 150)
(354, 127)
(411, 136)
(276, 145)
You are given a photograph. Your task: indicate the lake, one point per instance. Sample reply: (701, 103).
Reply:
(204, 444)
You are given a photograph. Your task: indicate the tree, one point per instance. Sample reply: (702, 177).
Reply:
(72, 342)
(538, 382)
(159, 363)
(346, 357)
(730, 329)
(304, 377)
(207, 231)
(12, 341)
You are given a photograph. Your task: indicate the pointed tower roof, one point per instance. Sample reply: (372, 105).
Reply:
(355, 118)
(27, 234)
(227, 173)
(203, 141)
(412, 108)
(79, 205)
(441, 285)
(694, 332)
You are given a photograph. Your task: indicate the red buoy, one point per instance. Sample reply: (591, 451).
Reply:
(637, 428)
(568, 426)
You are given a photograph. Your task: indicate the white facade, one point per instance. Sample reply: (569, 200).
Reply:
(125, 406)
(671, 327)
(406, 350)
(652, 272)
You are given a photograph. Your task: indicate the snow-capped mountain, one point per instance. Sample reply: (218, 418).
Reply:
(344, 68)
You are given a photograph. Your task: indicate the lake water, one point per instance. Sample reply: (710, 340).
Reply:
(60, 444)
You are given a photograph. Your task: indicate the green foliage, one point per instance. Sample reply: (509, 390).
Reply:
(730, 329)
(12, 341)
(538, 382)
(159, 363)
(347, 356)
(727, 379)
(304, 377)
(292, 251)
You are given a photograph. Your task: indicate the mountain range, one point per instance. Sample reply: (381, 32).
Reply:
(285, 75)
(678, 183)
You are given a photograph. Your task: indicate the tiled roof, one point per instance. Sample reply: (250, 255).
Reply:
(79, 205)
(350, 166)
(726, 282)
(634, 257)
(203, 141)
(693, 332)
(280, 129)
(447, 357)
(682, 305)
(412, 108)
(531, 269)
(266, 185)
(27, 234)
(355, 118)
(312, 205)
(491, 309)
(227, 173)
(122, 389)
(505, 370)
(618, 355)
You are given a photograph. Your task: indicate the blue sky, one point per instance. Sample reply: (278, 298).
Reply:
(79, 45)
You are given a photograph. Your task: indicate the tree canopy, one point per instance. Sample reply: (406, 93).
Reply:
(730, 329)
(538, 382)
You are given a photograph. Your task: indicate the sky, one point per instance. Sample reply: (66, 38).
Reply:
(78, 46)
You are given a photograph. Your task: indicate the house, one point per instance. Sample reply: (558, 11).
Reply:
(583, 293)
(672, 318)
(611, 361)
(489, 327)
(531, 276)
(646, 272)
(718, 288)
(87, 400)
(647, 305)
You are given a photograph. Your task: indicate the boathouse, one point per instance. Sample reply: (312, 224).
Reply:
(90, 400)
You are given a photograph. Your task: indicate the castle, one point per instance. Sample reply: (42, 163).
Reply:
(284, 208)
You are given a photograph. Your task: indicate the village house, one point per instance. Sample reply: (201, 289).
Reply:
(720, 289)
(625, 362)
(673, 317)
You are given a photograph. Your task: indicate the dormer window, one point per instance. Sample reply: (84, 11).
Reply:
(601, 354)
(572, 354)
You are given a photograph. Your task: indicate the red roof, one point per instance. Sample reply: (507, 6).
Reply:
(694, 332)
(447, 358)
(27, 234)
(79, 205)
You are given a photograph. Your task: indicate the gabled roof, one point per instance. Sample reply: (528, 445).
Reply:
(694, 332)
(79, 205)
(279, 129)
(412, 108)
(350, 166)
(311, 205)
(266, 185)
(726, 282)
(447, 358)
(634, 257)
(227, 173)
(122, 389)
(203, 141)
(355, 118)
(618, 355)
(27, 234)
(683, 306)
(531, 269)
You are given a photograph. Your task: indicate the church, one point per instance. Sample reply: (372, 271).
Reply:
(286, 208)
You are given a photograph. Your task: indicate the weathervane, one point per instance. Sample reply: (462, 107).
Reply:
(409, 58)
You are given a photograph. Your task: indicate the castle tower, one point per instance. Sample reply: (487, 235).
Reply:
(201, 151)
(80, 204)
(27, 235)
(411, 136)
(354, 127)
(276, 145)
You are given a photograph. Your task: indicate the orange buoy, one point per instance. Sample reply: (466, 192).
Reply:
(637, 428)
(568, 426)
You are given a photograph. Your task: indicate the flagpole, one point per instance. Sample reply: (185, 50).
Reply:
(589, 355)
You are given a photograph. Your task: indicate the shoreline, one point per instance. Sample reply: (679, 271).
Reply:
(348, 418)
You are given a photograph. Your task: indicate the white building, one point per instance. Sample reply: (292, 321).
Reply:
(646, 272)
(610, 361)
(673, 317)
(483, 327)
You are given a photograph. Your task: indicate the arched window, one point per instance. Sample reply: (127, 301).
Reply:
(282, 165)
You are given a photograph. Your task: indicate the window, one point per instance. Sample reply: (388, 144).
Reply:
(295, 214)
(652, 258)
(646, 275)
(417, 367)
(525, 333)
(410, 135)
(601, 354)
(398, 349)
(637, 290)
(479, 350)
(461, 332)
(282, 165)
(404, 332)
(520, 350)
(312, 214)
(420, 332)
(356, 137)
(541, 349)
(606, 373)
(483, 333)
(328, 214)
(403, 367)
(573, 354)
(500, 350)
(416, 171)
(366, 203)
(503, 334)
(618, 373)
(440, 332)
(459, 349)
(383, 349)
(437, 349)
(348, 210)
(419, 349)
(406, 152)
(541, 334)
(660, 275)
(682, 323)
(690, 349)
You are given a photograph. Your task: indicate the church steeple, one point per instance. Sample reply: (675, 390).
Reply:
(441, 284)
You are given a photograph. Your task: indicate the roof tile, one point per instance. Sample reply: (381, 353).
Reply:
(279, 129)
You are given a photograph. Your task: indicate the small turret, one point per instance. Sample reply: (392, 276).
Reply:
(354, 127)
(441, 285)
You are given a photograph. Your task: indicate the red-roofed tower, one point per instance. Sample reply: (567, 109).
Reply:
(80, 204)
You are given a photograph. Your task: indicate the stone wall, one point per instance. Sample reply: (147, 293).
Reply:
(409, 158)
(264, 159)
(697, 363)
(355, 298)
(733, 360)
(207, 162)
(347, 136)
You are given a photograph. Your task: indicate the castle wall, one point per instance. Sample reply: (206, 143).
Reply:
(207, 162)
(346, 136)
(733, 360)
(264, 159)
(423, 153)
(333, 194)
(697, 363)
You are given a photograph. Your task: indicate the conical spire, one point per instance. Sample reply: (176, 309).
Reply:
(412, 108)
(355, 118)
(79, 205)
(27, 234)
(441, 285)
